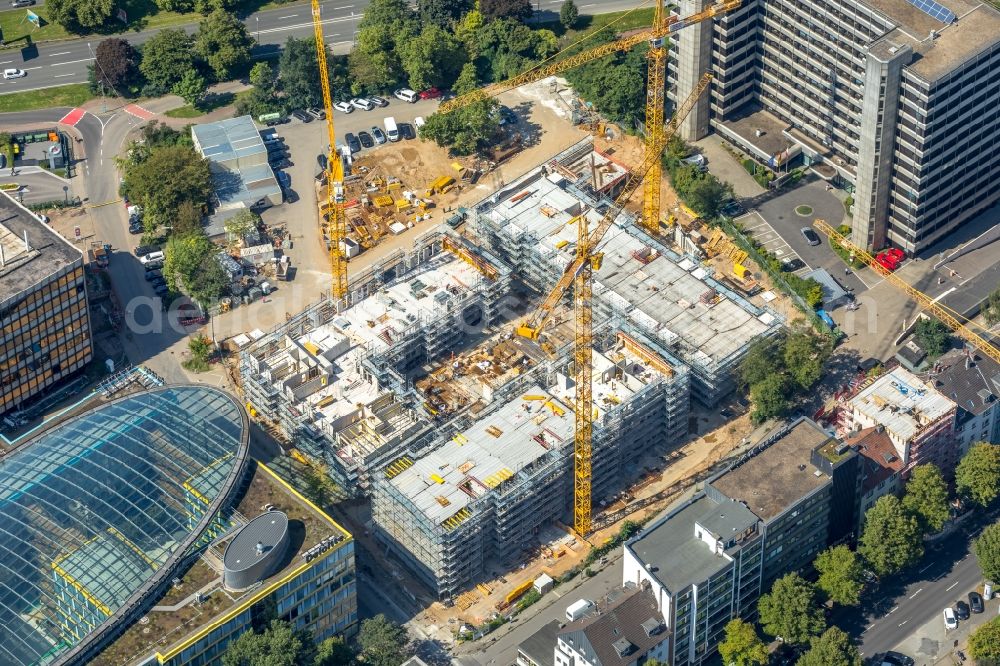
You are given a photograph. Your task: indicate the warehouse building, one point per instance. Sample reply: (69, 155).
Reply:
(894, 100)
(532, 224)
(335, 384)
(140, 532)
(481, 495)
(45, 333)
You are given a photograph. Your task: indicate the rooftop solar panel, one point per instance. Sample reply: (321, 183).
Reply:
(934, 10)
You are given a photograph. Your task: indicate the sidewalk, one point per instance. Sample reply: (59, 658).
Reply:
(932, 644)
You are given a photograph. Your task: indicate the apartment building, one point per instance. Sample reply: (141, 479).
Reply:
(625, 630)
(972, 380)
(709, 560)
(918, 418)
(44, 319)
(894, 100)
(880, 468)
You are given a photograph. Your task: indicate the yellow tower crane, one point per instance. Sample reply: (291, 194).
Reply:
(948, 317)
(336, 226)
(580, 274)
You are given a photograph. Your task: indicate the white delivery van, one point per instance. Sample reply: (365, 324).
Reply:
(578, 609)
(419, 122)
(391, 130)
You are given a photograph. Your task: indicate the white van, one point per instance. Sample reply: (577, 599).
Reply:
(391, 130)
(406, 95)
(419, 122)
(151, 257)
(578, 609)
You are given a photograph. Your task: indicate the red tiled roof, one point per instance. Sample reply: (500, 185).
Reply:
(879, 460)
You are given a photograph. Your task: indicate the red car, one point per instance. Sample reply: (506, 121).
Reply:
(430, 93)
(896, 254)
(887, 261)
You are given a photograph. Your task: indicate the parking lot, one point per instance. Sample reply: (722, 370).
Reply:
(36, 185)
(764, 233)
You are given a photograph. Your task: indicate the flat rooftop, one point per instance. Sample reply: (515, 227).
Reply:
(780, 475)
(902, 402)
(46, 253)
(421, 296)
(492, 450)
(661, 291)
(240, 170)
(176, 616)
(771, 142)
(230, 139)
(674, 553)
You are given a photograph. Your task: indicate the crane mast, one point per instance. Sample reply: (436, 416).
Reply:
(948, 317)
(336, 226)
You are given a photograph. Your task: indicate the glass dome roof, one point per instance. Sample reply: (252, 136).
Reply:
(99, 510)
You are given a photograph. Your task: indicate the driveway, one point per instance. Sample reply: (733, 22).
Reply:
(37, 185)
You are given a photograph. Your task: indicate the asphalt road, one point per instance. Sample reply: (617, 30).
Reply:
(60, 63)
(896, 608)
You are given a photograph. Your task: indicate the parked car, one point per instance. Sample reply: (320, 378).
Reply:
(352, 143)
(892, 658)
(962, 610)
(143, 250)
(135, 228)
(887, 261)
(284, 180)
(318, 114)
(430, 93)
(366, 139)
(161, 289)
(507, 116)
(302, 115)
(406, 95)
(811, 236)
(732, 209)
(14, 73)
(976, 602)
(406, 131)
(378, 101)
(283, 163)
(950, 621)
(21, 3)
(362, 104)
(147, 259)
(379, 135)
(154, 275)
(344, 107)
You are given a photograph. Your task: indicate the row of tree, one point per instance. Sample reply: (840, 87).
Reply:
(382, 642)
(174, 61)
(101, 16)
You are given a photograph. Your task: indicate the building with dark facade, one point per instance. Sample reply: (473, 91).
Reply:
(140, 532)
(44, 320)
(896, 100)
(709, 560)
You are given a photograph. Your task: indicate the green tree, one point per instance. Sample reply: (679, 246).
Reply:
(374, 62)
(840, 575)
(187, 219)
(433, 58)
(987, 547)
(926, 498)
(708, 194)
(499, 9)
(262, 76)
(509, 47)
(833, 648)
(167, 178)
(261, 98)
(278, 645)
(616, 86)
(180, 6)
(467, 31)
(742, 646)
(791, 610)
(991, 308)
(984, 643)
(382, 641)
(209, 6)
(80, 16)
(467, 81)
(933, 336)
(568, 14)
(116, 65)
(764, 358)
(166, 57)
(334, 651)
(183, 257)
(465, 130)
(191, 88)
(209, 283)
(200, 347)
(442, 13)
(805, 355)
(241, 224)
(978, 473)
(769, 398)
(300, 73)
(223, 43)
(891, 540)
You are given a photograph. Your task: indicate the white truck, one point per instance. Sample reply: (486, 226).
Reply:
(391, 130)
(578, 609)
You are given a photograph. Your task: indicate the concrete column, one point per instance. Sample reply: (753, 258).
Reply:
(694, 58)
(879, 111)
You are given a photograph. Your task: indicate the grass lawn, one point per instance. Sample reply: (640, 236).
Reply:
(619, 22)
(16, 29)
(74, 94)
(211, 103)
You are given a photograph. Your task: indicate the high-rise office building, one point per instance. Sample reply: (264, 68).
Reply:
(44, 322)
(894, 100)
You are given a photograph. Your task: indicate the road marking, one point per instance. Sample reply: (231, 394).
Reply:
(916, 593)
(948, 589)
(344, 7)
(139, 112)
(903, 622)
(59, 76)
(30, 68)
(73, 117)
(305, 25)
(894, 610)
(6, 62)
(289, 16)
(927, 567)
(53, 55)
(71, 62)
